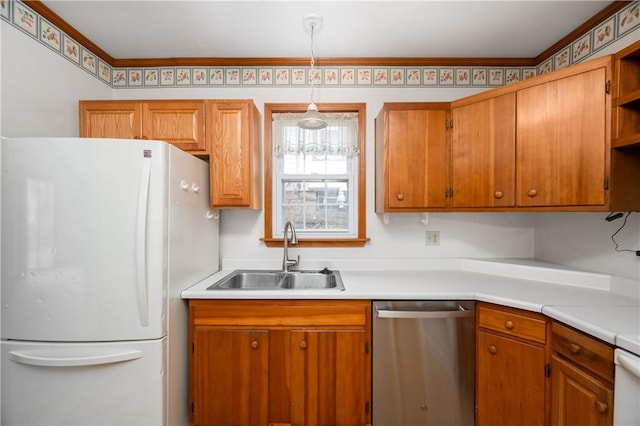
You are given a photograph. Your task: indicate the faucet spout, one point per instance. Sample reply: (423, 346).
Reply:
(286, 262)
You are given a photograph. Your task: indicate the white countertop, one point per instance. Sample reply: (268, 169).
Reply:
(580, 299)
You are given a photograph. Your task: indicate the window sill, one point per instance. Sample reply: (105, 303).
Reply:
(336, 242)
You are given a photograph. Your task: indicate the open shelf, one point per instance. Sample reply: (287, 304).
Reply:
(631, 98)
(626, 142)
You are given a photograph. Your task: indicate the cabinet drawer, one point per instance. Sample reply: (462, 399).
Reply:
(276, 314)
(583, 350)
(507, 321)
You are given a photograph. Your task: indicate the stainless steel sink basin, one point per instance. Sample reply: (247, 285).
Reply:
(244, 279)
(308, 279)
(260, 280)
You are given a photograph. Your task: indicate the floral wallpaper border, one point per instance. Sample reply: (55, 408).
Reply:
(26, 20)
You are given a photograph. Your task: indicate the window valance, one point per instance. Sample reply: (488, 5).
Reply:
(338, 138)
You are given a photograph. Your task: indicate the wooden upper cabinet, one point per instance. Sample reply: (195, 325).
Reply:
(233, 132)
(178, 122)
(181, 123)
(563, 138)
(411, 157)
(483, 149)
(110, 119)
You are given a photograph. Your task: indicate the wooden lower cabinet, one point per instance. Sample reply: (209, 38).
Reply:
(232, 368)
(327, 378)
(510, 367)
(298, 363)
(578, 397)
(582, 373)
(511, 382)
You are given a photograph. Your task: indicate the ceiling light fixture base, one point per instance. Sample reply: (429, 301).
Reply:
(310, 20)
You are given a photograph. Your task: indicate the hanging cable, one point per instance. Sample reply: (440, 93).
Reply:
(617, 248)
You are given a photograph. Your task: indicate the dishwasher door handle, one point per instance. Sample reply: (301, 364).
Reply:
(389, 313)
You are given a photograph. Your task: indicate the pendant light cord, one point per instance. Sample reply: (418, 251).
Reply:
(312, 62)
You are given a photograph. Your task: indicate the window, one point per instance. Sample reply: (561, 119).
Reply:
(315, 178)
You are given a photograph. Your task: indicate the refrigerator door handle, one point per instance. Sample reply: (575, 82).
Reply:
(141, 242)
(42, 360)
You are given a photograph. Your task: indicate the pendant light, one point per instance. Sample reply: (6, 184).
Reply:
(312, 120)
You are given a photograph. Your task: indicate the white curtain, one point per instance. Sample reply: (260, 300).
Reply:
(340, 137)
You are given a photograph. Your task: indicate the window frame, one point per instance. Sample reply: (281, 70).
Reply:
(269, 198)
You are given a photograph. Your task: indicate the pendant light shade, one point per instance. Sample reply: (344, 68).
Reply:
(312, 120)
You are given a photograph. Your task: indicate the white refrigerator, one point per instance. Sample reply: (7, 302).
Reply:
(99, 236)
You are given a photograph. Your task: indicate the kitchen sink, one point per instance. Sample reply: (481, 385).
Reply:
(244, 279)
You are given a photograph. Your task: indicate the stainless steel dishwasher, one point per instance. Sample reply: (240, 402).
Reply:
(423, 363)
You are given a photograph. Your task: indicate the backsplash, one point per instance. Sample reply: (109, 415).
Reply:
(26, 20)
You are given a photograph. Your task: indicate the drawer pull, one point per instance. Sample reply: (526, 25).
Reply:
(255, 344)
(532, 193)
(303, 344)
(508, 324)
(400, 197)
(493, 350)
(498, 194)
(601, 407)
(575, 349)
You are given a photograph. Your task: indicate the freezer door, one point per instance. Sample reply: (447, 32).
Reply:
(84, 384)
(84, 241)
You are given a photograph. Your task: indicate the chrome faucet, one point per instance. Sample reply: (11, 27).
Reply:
(286, 262)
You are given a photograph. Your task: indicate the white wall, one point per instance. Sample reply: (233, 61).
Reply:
(583, 240)
(40, 89)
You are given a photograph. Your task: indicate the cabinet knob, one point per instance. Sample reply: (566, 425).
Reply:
(508, 324)
(303, 344)
(255, 344)
(532, 193)
(601, 407)
(498, 194)
(400, 197)
(575, 349)
(493, 350)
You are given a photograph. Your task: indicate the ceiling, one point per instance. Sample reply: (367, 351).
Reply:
(350, 29)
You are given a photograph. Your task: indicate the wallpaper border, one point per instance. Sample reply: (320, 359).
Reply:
(584, 47)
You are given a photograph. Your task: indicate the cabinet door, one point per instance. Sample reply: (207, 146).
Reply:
(180, 123)
(562, 141)
(234, 155)
(416, 166)
(113, 119)
(578, 398)
(229, 377)
(483, 153)
(329, 378)
(510, 382)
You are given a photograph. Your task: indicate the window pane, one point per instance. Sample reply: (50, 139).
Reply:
(304, 163)
(316, 205)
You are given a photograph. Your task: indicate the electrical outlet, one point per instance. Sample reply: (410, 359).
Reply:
(432, 238)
